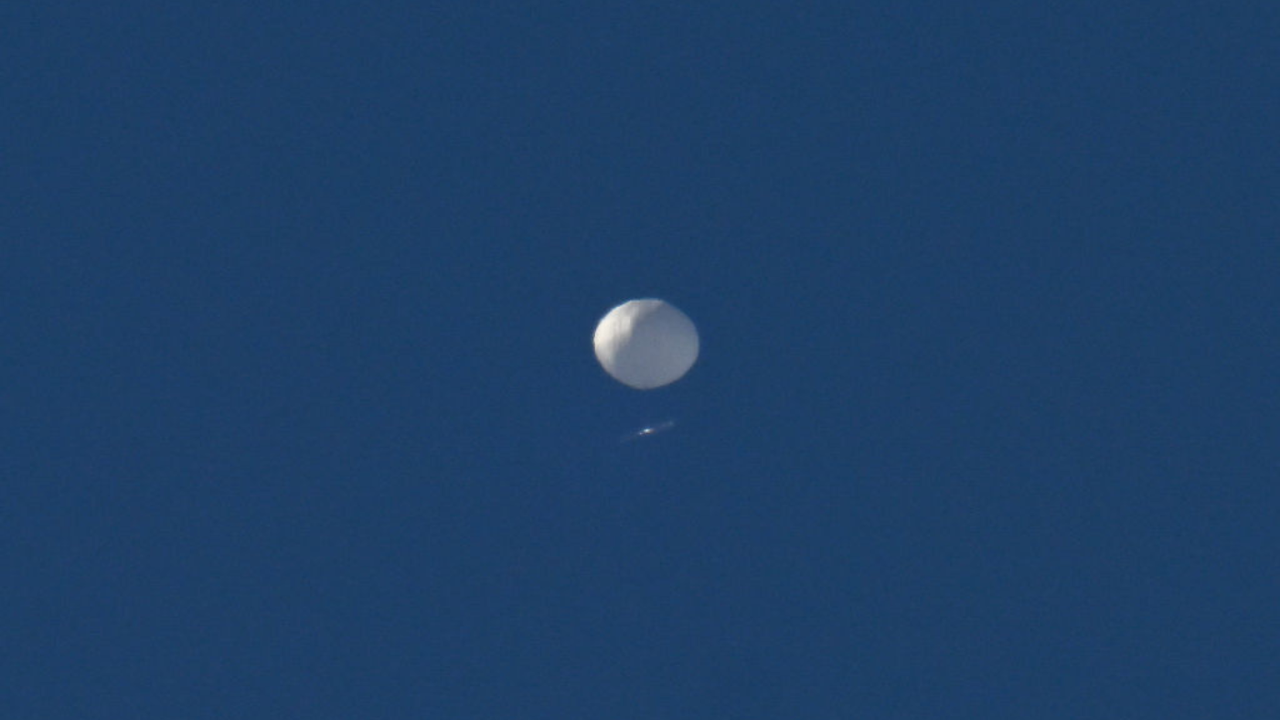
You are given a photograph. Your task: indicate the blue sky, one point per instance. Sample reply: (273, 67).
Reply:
(301, 415)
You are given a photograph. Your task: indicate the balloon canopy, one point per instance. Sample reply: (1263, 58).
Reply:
(646, 343)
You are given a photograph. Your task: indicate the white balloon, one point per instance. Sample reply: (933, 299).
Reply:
(646, 343)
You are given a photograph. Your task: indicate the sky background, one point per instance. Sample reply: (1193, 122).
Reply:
(299, 415)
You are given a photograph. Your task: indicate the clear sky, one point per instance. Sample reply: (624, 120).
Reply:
(299, 415)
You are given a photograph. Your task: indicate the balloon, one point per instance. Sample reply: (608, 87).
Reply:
(646, 343)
